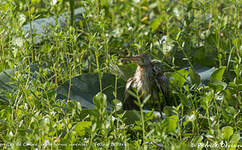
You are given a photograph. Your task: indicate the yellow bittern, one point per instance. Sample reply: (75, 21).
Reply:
(148, 80)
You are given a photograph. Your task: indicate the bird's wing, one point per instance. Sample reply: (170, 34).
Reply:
(161, 80)
(129, 83)
(164, 83)
(128, 102)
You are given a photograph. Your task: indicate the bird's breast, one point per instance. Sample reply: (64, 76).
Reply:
(144, 81)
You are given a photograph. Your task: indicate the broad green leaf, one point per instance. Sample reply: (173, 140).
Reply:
(203, 56)
(6, 84)
(100, 100)
(234, 141)
(206, 99)
(227, 132)
(189, 6)
(171, 123)
(217, 74)
(83, 88)
(86, 112)
(155, 23)
(178, 78)
(195, 77)
(149, 115)
(5, 7)
(218, 85)
(117, 104)
(127, 70)
(132, 116)
(36, 1)
(5, 78)
(167, 46)
(80, 127)
(104, 2)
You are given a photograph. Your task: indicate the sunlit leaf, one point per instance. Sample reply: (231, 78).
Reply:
(234, 141)
(35, 1)
(80, 127)
(217, 74)
(218, 85)
(227, 132)
(171, 123)
(155, 23)
(100, 100)
(206, 99)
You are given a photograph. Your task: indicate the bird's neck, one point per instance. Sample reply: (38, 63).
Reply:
(143, 77)
(143, 72)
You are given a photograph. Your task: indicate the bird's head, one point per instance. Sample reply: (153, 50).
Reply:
(141, 60)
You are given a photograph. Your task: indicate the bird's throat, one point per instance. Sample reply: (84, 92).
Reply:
(143, 76)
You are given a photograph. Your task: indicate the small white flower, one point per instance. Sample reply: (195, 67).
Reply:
(53, 2)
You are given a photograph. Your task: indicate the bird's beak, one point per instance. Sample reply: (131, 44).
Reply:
(133, 58)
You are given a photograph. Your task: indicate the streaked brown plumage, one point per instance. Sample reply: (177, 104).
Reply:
(148, 79)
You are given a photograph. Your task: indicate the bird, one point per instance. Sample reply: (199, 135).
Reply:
(148, 80)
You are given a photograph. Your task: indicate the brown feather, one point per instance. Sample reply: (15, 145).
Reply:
(148, 79)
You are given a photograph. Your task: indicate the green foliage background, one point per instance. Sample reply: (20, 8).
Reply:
(178, 33)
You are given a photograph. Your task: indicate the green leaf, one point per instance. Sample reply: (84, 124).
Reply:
(195, 77)
(149, 115)
(6, 84)
(178, 78)
(5, 78)
(234, 141)
(217, 74)
(83, 88)
(80, 127)
(132, 116)
(45, 124)
(206, 99)
(189, 7)
(218, 85)
(127, 70)
(100, 100)
(155, 23)
(171, 123)
(227, 132)
(35, 1)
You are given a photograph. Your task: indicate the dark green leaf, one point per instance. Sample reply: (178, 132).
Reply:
(6, 84)
(83, 88)
(195, 77)
(127, 70)
(178, 78)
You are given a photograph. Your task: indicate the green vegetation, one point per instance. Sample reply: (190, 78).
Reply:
(185, 33)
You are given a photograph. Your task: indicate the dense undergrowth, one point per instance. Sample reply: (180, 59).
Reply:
(178, 33)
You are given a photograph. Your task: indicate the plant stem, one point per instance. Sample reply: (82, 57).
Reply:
(71, 12)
